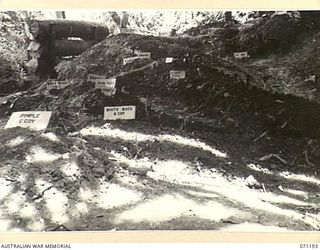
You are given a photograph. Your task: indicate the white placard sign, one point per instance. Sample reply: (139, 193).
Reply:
(125, 30)
(107, 86)
(37, 120)
(169, 59)
(240, 55)
(93, 77)
(144, 54)
(53, 84)
(119, 113)
(129, 60)
(177, 74)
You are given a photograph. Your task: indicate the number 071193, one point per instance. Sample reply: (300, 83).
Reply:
(309, 246)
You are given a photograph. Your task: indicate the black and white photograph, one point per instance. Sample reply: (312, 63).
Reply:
(117, 120)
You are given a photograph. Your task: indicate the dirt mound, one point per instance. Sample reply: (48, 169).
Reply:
(219, 84)
(276, 33)
(218, 125)
(9, 81)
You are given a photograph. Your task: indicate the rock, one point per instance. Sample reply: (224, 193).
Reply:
(98, 171)
(251, 182)
(231, 220)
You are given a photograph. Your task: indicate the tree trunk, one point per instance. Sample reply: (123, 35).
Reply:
(66, 28)
(228, 16)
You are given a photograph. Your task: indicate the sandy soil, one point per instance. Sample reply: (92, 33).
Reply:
(129, 175)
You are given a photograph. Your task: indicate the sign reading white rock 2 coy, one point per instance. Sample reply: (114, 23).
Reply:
(120, 113)
(107, 86)
(37, 120)
(177, 74)
(53, 84)
(240, 55)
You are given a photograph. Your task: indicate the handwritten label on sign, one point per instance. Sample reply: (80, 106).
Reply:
(169, 59)
(144, 54)
(177, 74)
(107, 86)
(240, 55)
(164, 33)
(125, 30)
(93, 77)
(120, 113)
(129, 60)
(37, 120)
(53, 84)
(154, 65)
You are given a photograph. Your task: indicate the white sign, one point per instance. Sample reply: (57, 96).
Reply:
(129, 60)
(52, 84)
(120, 112)
(37, 120)
(125, 30)
(107, 86)
(93, 77)
(154, 64)
(144, 54)
(169, 59)
(177, 74)
(164, 33)
(240, 55)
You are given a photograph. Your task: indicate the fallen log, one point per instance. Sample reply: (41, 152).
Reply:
(61, 48)
(40, 30)
(71, 47)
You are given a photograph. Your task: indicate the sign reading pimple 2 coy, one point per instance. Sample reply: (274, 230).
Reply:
(37, 120)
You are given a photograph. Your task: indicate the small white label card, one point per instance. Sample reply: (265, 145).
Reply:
(144, 54)
(37, 120)
(240, 55)
(177, 74)
(120, 113)
(169, 59)
(107, 86)
(53, 84)
(93, 77)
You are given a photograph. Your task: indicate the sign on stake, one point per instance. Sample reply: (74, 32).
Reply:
(169, 59)
(37, 120)
(107, 86)
(240, 55)
(93, 77)
(53, 84)
(177, 74)
(143, 54)
(120, 113)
